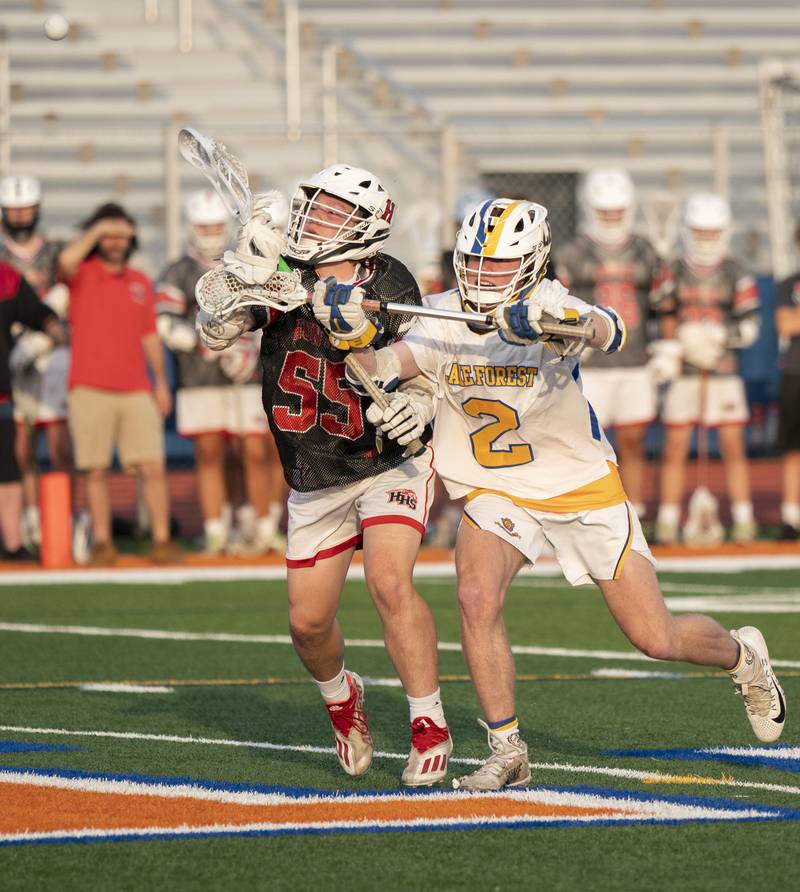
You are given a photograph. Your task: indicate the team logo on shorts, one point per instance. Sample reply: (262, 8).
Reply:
(405, 497)
(507, 524)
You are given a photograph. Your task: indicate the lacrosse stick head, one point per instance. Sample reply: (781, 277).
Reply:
(224, 170)
(221, 294)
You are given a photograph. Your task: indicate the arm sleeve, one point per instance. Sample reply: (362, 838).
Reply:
(427, 342)
(28, 309)
(170, 295)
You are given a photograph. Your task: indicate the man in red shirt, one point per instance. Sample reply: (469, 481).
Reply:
(111, 403)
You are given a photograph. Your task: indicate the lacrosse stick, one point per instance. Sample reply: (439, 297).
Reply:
(703, 528)
(220, 293)
(378, 396)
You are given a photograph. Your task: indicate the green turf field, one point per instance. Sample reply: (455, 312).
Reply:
(225, 699)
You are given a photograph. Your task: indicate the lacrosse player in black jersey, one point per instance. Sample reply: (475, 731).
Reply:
(347, 489)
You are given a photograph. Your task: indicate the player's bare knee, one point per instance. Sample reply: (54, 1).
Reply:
(308, 629)
(391, 589)
(478, 602)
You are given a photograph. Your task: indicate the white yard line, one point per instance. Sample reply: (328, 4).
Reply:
(231, 637)
(566, 767)
(545, 568)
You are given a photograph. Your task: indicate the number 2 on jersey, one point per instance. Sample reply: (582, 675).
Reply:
(484, 439)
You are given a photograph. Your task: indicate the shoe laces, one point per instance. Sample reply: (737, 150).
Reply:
(757, 694)
(349, 714)
(425, 734)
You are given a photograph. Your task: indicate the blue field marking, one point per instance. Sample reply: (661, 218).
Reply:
(760, 757)
(18, 746)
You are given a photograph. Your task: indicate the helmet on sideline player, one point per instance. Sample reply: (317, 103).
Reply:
(209, 224)
(352, 226)
(500, 229)
(18, 193)
(706, 228)
(609, 206)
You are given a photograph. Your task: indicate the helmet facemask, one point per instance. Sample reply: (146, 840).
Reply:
(706, 229)
(324, 225)
(609, 206)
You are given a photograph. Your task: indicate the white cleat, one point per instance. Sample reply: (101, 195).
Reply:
(430, 750)
(506, 767)
(763, 697)
(353, 740)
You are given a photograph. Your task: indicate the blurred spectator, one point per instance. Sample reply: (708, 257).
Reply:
(219, 396)
(38, 369)
(18, 304)
(114, 339)
(608, 264)
(787, 319)
(710, 305)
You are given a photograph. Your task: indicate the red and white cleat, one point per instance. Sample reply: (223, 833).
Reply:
(430, 749)
(353, 740)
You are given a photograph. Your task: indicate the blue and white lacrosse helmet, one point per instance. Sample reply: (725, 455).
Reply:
(497, 230)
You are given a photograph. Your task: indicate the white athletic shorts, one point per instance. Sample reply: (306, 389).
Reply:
(620, 396)
(587, 544)
(40, 397)
(325, 522)
(234, 410)
(724, 401)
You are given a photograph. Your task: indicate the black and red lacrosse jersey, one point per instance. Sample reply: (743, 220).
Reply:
(18, 303)
(318, 420)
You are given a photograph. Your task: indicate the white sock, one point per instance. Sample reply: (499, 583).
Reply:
(276, 513)
(640, 508)
(742, 512)
(743, 671)
(504, 729)
(265, 528)
(790, 514)
(669, 515)
(335, 690)
(430, 707)
(215, 528)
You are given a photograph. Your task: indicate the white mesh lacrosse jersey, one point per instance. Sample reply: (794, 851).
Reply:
(512, 419)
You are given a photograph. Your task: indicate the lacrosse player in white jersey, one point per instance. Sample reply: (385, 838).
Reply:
(709, 304)
(514, 435)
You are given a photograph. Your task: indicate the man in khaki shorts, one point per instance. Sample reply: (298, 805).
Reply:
(114, 340)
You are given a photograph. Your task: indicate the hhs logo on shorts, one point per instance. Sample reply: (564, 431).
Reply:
(405, 497)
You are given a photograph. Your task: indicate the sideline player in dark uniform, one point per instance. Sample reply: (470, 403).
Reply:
(219, 396)
(610, 265)
(345, 491)
(38, 370)
(709, 303)
(19, 304)
(787, 317)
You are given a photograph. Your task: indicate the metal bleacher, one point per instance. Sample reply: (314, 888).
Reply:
(667, 88)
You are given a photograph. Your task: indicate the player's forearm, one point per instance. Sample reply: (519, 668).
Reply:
(787, 321)
(76, 251)
(397, 356)
(602, 330)
(154, 356)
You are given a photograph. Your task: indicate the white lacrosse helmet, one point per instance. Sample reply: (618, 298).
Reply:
(20, 192)
(609, 205)
(706, 228)
(206, 208)
(500, 229)
(346, 233)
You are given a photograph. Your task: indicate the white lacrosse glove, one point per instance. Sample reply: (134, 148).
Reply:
(176, 332)
(703, 343)
(404, 419)
(217, 333)
(240, 360)
(666, 357)
(338, 310)
(262, 240)
(520, 322)
(57, 298)
(30, 346)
